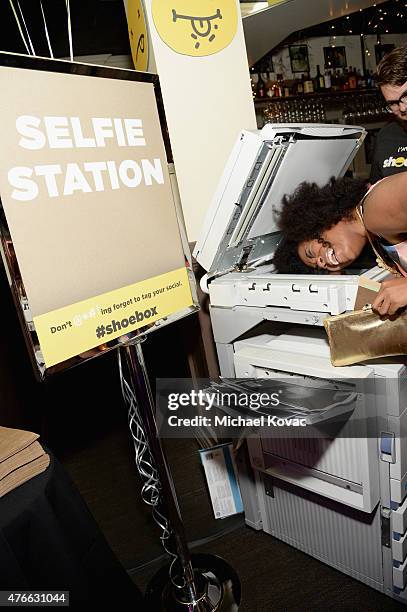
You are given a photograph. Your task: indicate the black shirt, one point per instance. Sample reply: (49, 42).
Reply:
(390, 156)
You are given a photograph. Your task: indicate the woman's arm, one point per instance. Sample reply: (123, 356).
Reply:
(385, 207)
(385, 214)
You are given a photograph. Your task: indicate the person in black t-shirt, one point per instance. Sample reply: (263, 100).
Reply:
(390, 156)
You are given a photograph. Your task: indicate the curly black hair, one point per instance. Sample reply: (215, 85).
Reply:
(310, 211)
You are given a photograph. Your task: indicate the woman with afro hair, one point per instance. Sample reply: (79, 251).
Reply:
(326, 229)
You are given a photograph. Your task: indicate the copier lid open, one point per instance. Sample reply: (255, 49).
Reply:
(241, 226)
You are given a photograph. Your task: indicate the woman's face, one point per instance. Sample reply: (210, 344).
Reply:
(337, 248)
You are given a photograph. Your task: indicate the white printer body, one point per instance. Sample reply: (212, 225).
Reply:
(341, 498)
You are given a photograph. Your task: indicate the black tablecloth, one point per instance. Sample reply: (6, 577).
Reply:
(50, 541)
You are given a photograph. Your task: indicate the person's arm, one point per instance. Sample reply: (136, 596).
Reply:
(385, 207)
(385, 214)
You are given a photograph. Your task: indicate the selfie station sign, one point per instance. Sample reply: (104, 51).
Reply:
(92, 239)
(90, 233)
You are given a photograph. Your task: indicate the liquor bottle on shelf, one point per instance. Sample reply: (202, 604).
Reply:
(352, 78)
(260, 88)
(361, 80)
(279, 89)
(319, 80)
(365, 76)
(269, 86)
(327, 79)
(336, 80)
(342, 77)
(347, 73)
(345, 79)
(300, 85)
(308, 85)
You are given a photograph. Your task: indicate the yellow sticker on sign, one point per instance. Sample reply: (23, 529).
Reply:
(138, 34)
(205, 28)
(74, 329)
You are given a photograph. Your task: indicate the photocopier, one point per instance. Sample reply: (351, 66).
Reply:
(341, 498)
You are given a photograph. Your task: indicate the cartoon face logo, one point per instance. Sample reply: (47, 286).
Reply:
(137, 34)
(206, 29)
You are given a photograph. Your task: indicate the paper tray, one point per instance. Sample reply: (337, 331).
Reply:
(314, 401)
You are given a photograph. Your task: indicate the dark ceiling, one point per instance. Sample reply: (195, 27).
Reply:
(98, 26)
(386, 18)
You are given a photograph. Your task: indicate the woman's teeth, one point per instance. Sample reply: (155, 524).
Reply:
(330, 256)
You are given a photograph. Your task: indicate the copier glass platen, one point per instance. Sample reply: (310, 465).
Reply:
(349, 489)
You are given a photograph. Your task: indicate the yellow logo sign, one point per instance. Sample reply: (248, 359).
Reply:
(204, 29)
(395, 162)
(137, 34)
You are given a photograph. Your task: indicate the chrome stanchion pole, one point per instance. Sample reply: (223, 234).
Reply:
(203, 583)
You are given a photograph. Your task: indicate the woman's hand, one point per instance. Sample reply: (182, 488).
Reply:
(391, 297)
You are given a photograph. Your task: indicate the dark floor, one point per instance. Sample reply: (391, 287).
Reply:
(274, 576)
(277, 578)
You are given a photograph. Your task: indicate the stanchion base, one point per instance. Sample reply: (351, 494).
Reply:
(217, 586)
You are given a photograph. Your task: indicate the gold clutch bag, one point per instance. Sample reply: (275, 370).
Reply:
(363, 334)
